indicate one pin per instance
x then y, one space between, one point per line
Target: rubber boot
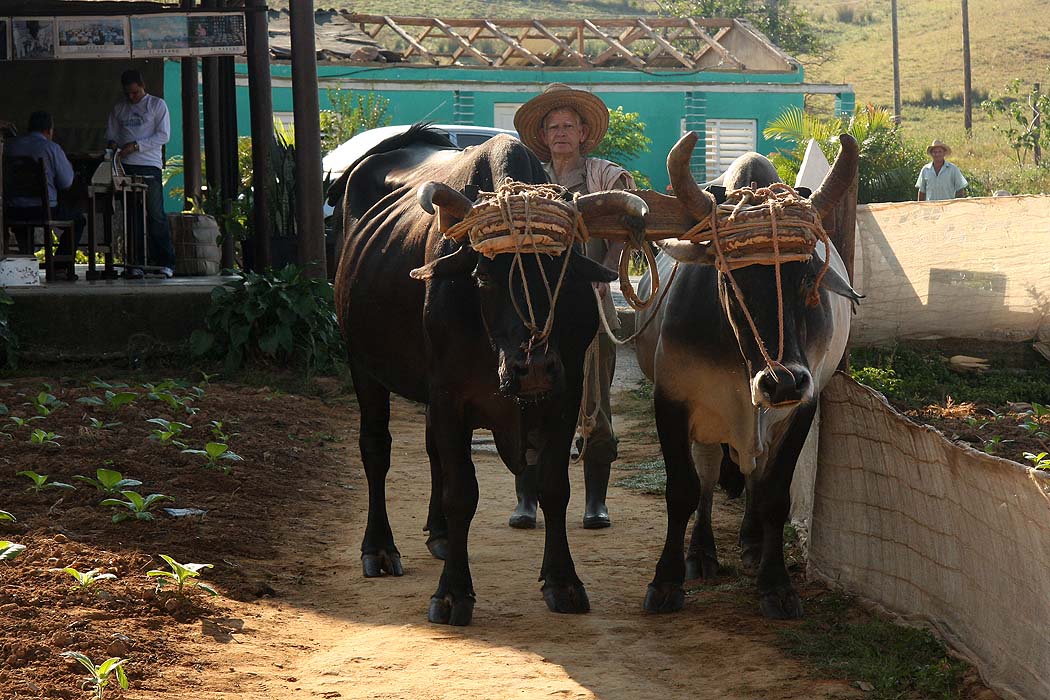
527 487
596 480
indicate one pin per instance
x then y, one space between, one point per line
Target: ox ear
804 192
586 270
837 284
457 264
687 252
718 191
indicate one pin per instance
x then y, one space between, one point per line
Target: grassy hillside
493 8
1008 40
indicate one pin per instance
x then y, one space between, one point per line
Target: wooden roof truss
639 42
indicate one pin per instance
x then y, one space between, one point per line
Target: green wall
662 99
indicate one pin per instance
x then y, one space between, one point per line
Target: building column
191 126
309 212
260 101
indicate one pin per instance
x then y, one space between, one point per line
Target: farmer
138 128
561 126
940 179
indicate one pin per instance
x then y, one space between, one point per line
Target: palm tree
888 166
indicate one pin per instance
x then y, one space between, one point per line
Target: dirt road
332 633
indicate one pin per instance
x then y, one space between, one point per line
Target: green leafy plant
887 166
137 506
8 341
992 444
43 481
279 317
108 481
45 403
1019 114
180 576
99 676
85 579
1039 461
17 422
167 431
7 517
44 437
351 114
624 141
216 453
786 23
10 550
102 425
111 400
218 431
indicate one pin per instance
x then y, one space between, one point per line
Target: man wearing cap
939 179
561 126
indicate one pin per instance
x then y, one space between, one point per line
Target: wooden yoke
667 218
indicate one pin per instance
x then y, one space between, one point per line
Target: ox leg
562 589
379 555
701 560
453 601
526 486
437 525
750 533
682 496
778 598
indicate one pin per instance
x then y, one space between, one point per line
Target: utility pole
896 65
967 100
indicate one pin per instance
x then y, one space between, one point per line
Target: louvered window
726 139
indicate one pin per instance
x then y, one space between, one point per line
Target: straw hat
937 143
529 119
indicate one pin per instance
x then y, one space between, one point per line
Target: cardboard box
19 271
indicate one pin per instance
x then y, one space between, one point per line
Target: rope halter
763 226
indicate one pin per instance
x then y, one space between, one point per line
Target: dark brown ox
433 321
713 386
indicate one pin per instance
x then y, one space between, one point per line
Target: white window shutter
727 139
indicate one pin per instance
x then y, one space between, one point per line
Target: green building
721 78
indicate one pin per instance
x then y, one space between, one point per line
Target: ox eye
483 279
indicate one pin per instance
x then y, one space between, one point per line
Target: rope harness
764 226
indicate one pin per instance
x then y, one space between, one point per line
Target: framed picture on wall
32 38
5 40
216 33
93 37
159 35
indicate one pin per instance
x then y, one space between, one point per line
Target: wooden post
967 100
309 211
260 100
191 125
210 101
231 172
896 65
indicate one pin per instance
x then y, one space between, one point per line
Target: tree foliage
624 141
888 165
351 114
788 26
1020 115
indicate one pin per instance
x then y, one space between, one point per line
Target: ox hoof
702 567
750 559
447 611
438 547
523 521
568 598
781 603
382 562
664 598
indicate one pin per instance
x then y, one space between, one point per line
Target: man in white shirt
138 128
939 179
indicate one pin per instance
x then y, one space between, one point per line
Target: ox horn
838 180
618 201
682 182
453 201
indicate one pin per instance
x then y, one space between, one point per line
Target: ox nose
536 377
783 386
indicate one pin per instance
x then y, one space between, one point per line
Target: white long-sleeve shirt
146 123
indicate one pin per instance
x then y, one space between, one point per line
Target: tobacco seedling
136 506
7 517
1035 429
1039 410
99 676
162 392
218 431
180 576
215 453
42 481
168 431
44 437
100 425
1039 461
992 444
110 400
108 481
10 550
85 579
46 403
17 422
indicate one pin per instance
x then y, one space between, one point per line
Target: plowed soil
295 618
